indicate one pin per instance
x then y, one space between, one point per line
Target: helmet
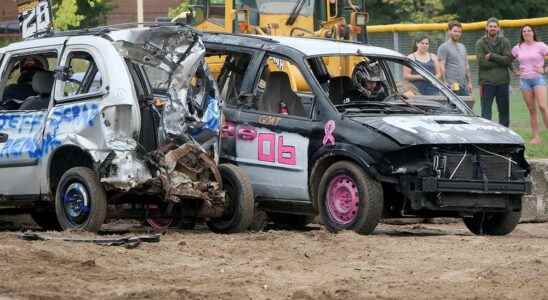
32 63
29 65
366 71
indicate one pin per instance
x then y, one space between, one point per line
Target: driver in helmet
367 78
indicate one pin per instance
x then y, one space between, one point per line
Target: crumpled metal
187 172
180 53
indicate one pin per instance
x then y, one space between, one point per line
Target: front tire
493 223
80 200
238 214
349 199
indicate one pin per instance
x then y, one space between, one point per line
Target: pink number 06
286 154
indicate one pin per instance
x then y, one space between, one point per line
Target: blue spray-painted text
26 129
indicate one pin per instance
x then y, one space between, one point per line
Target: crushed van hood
418 130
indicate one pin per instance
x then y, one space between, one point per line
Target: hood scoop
451 122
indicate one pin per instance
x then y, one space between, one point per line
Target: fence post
396 41
396 37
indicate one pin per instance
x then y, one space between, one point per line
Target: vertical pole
51 18
396 41
229 16
396 38
140 12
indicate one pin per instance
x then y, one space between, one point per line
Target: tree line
72 14
434 11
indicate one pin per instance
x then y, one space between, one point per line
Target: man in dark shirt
494 55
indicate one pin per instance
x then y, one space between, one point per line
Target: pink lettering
286 154
271 139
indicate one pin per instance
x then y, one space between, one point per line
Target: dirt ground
411 262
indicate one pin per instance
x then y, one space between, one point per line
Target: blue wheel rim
76 203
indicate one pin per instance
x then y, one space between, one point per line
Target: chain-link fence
402 41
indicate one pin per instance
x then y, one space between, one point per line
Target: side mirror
242 15
359 19
63 73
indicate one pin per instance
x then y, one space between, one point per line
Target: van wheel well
65 159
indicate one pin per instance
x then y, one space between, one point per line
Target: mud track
411 262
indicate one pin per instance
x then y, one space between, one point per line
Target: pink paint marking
271 139
329 128
286 154
343 199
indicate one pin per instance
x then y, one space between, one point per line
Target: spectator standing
494 59
530 54
428 60
453 57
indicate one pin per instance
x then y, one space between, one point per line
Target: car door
271 130
78 94
21 143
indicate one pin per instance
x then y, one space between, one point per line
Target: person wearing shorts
530 53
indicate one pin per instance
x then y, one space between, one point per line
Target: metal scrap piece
127 241
189 173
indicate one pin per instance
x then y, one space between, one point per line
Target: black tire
363 216
46 218
187 223
239 194
493 223
78 183
260 220
290 221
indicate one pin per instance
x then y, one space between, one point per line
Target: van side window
84 76
229 69
27 81
282 89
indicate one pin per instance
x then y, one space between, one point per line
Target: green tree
472 10
407 11
179 9
74 14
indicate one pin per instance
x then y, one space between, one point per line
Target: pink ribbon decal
329 128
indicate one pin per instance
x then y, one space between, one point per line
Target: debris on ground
129 242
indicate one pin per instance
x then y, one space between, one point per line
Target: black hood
421 130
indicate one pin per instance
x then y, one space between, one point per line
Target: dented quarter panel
417 130
117 81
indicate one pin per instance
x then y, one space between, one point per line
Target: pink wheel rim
158 223
343 199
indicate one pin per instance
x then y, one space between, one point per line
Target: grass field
519 122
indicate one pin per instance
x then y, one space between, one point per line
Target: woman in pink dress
530 53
